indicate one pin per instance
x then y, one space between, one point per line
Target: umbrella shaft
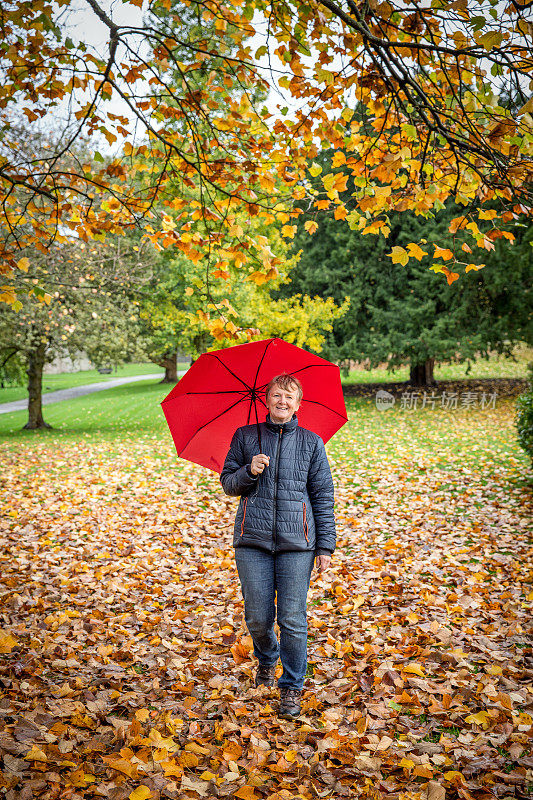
276 489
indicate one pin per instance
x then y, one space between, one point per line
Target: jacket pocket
306 530
243 514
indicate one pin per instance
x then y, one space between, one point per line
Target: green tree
90 310
181 310
407 315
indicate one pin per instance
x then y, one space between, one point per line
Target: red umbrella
226 388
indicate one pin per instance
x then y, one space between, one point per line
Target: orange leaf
246 792
442 252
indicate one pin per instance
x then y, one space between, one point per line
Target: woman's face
282 403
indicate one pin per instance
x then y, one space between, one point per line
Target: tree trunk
422 374
170 363
35 387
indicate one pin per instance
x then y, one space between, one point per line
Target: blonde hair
285 381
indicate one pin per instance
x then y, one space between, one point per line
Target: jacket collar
286 427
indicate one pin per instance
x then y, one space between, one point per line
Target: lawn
66 380
133 412
126 665
499 366
484 368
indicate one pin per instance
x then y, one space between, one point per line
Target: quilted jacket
290 505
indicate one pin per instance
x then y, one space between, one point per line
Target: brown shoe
265 676
290 705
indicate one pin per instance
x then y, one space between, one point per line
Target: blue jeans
262 575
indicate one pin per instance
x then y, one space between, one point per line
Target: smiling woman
285 519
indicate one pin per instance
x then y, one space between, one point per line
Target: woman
284 520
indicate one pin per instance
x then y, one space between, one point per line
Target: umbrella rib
301 369
253 397
230 370
259 365
225 391
205 424
318 403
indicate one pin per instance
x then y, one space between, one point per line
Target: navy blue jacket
290 505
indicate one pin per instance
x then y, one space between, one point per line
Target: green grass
132 409
418 437
66 380
495 366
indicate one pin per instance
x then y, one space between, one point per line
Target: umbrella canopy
226 389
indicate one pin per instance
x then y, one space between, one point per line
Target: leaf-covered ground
126 670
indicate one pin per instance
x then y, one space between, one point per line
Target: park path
79 391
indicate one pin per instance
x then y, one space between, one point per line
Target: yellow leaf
140 793
412 617
470 267
347 114
81 779
338 159
414 669
315 169
189 290
454 776
406 763
194 747
288 231
310 226
399 256
189 759
142 714
7 642
171 769
121 765
257 277
481 718
155 739
416 251
35 755
359 600
23 264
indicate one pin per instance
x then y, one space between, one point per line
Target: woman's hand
322 563
258 464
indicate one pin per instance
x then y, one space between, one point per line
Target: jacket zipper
243 515
305 524
276 491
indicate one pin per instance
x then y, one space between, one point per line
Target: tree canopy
409 317
421 103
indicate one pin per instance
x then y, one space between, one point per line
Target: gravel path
79 391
